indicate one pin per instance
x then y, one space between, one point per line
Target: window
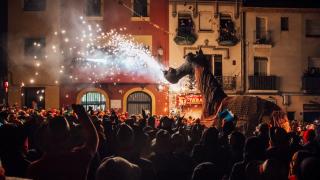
311 112
34 47
185 25
34 5
205 21
138 101
140 8
284 24
95 100
218 65
34 97
227 31
260 66
185 31
312 28
94 8
314 62
291 115
261 28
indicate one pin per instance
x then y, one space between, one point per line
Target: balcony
228 82
263 84
262 39
311 84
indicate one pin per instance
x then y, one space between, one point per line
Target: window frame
266 27
185 15
140 102
141 18
100 104
34 10
257 72
98 18
306 28
284 23
42 51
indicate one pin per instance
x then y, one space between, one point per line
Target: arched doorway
137 101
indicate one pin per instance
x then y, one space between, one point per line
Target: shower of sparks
99 56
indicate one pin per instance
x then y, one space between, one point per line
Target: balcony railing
262 37
263 83
311 84
227 82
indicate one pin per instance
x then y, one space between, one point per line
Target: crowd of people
92 145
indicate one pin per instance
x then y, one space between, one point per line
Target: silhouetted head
205 171
310 169
161 143
253 149
296 161
279 137
125 137
58 132
187 68
210 137
118 168
237 140
273 169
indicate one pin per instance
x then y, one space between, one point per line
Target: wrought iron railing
263 83
227 82
262 37
311 84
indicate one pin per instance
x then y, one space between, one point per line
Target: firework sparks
102 56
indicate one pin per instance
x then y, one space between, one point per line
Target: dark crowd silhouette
94 145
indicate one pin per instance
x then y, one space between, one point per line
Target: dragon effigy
247 111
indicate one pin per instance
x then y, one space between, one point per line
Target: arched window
137 101
94 99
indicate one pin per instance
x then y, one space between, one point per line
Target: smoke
100 56
81 50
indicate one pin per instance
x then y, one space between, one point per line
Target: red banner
190 99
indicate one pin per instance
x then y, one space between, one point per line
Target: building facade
32 37
140 19
255 48
281 56
215 27
31 25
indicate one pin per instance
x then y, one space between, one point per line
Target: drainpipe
243 53
236 10
195 9
174 9
216 13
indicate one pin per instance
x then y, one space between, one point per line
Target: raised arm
90 131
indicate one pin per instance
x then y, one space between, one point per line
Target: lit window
34 5
139 101
95 100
